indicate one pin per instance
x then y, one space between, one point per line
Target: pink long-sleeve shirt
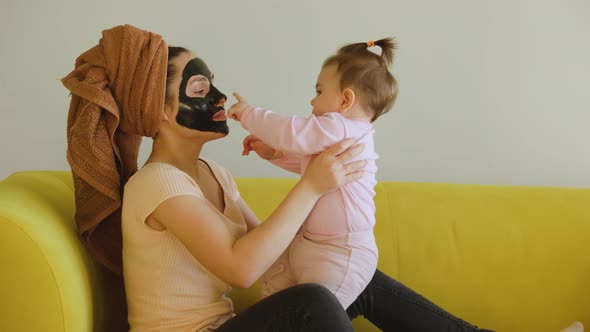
350 208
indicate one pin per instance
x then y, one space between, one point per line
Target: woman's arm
202 228
204 232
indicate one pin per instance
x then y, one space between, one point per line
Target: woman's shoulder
224 176
157 176
157 170
213 164
217 168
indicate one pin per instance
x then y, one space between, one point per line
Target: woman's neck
183 155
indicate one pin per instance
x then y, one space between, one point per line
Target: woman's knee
313 289
314 293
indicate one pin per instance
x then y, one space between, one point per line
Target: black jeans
391 306
306 307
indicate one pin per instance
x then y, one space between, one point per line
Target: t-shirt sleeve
160 183
226 179
232 186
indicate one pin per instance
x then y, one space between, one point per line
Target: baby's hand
253 143
236 110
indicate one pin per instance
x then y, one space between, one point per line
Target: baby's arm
289 162
292 134
285 161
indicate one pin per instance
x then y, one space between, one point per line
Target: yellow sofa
501 257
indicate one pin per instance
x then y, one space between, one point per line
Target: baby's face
328 95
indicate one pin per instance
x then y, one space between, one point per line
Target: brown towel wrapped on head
118 89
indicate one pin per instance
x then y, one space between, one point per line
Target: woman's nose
220 102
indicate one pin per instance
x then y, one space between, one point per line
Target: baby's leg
344 269
277 277
361 268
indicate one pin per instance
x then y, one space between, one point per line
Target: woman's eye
199 92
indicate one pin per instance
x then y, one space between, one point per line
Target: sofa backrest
506 258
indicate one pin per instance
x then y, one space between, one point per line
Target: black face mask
197 112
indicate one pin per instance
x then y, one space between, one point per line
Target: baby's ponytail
387 45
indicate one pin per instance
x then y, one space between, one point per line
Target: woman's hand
332 168
236 110
253 143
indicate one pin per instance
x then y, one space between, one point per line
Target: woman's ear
167 112
348 98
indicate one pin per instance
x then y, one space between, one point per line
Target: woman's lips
219 116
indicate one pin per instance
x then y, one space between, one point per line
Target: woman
184 223
187 234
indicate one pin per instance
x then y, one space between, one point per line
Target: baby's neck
357 113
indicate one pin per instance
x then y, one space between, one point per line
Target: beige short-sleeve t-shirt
167 288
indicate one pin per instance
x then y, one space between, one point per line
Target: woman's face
200 105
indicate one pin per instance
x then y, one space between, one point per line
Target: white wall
493 92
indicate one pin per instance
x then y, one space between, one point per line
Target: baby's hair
367 73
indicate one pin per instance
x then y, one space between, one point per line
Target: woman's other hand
332 168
